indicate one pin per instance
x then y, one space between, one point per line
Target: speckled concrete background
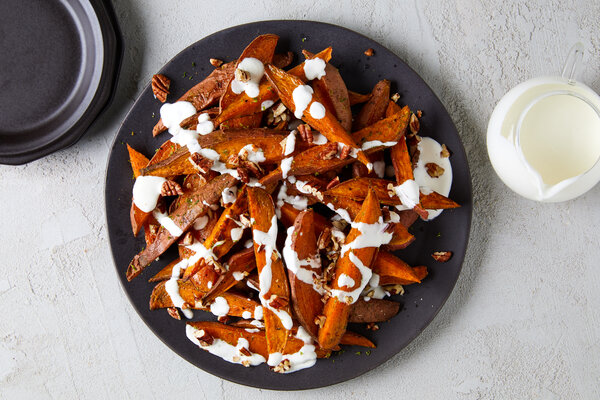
523 321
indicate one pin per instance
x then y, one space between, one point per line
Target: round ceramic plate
60 62
450 231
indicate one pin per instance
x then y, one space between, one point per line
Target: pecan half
160 87
324 240
170 188
244 176
244 351
434 170
306 133
441 256
345 152
333 183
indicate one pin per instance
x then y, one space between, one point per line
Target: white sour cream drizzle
167 223
318 138
314 68
225 350
219 307
205 125
306 357
345 281
317 110
365 276
430 151
229 195
378 292
266 105
172 288
252 154
290 146
265 278
408 193
302 96
172 114
146 191
294 264
247 315
298 202
256 70
201 222
376 143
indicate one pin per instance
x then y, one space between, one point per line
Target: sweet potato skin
374 109
374 310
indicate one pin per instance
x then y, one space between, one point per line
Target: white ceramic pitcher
543 137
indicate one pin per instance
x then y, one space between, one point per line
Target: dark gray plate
58 70
450 231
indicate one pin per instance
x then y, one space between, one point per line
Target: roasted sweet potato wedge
237 303
358 188
244 105
239 266
391 269
333 88
383 133
262 48
355 339
137 160
257 341
165 273
351 265
329 126
374 109
303 263
206 93
184 216
358 98
274 289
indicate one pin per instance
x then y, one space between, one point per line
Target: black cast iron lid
59 62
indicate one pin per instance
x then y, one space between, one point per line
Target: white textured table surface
523 321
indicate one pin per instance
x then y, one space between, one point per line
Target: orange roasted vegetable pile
285 194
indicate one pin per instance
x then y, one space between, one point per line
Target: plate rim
469 216
112 56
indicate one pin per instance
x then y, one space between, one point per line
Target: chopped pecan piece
160 87
414 124
324 240
345 152
244 176
170 188
283 366
174 313
441 256
434 170
277 302
369 52
200 163
215 62
223 319
204 338
445 153
395 97
241 75
244 351
188 239
328 151
233 161
372 326
320 321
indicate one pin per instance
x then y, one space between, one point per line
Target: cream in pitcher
544 136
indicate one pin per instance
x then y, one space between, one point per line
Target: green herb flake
439 234
193 63
303 39
357 353
368 352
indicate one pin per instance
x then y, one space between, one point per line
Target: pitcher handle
573 62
